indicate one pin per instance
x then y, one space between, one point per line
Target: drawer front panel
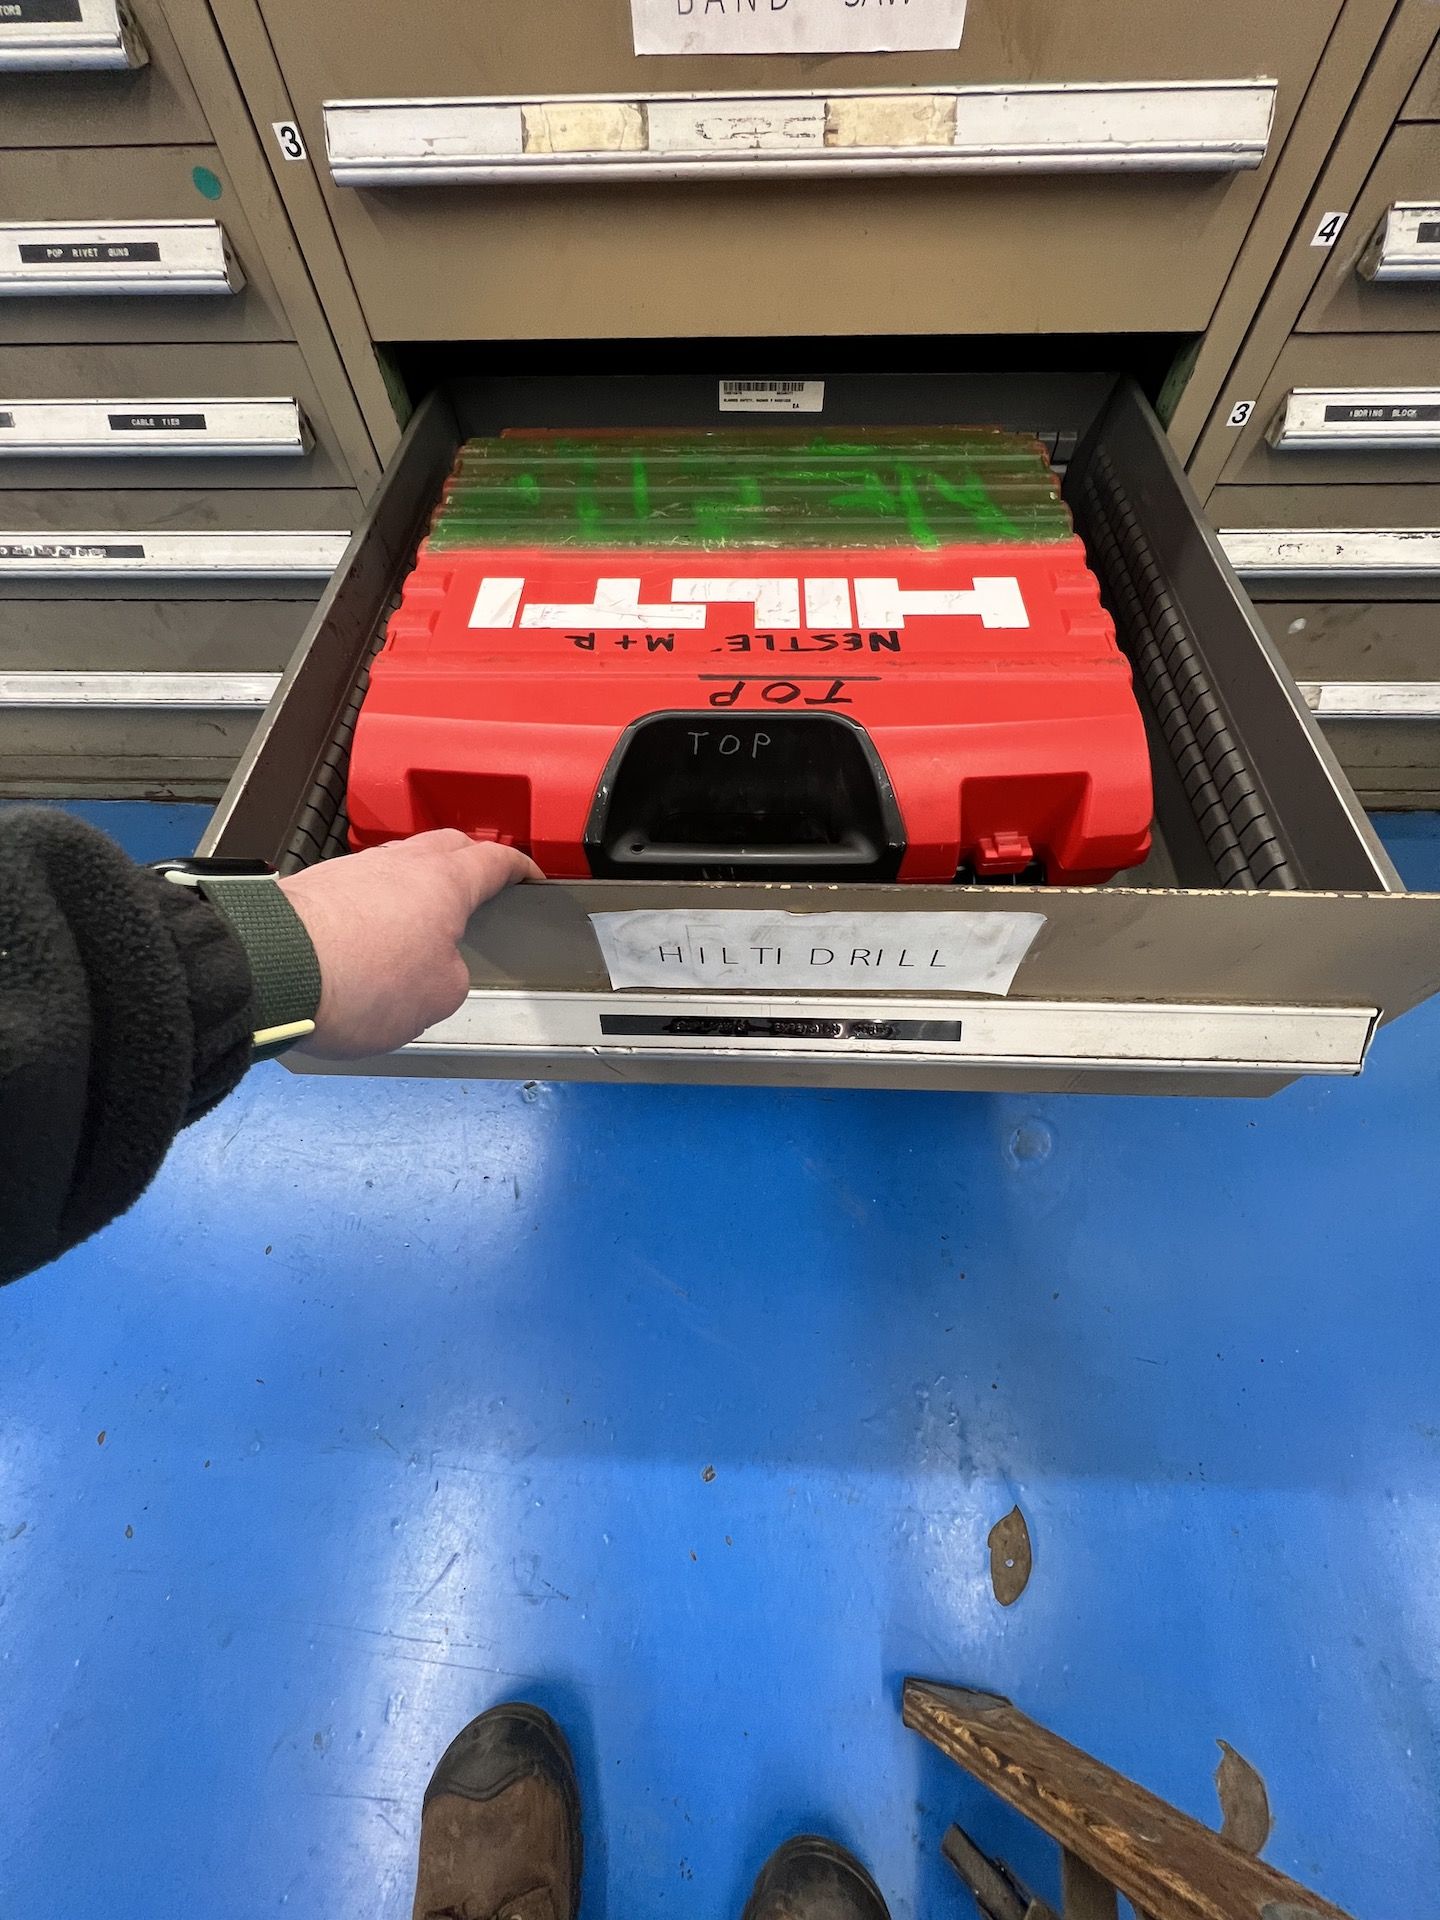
141 752
108 76
1371 671
100 694
1383 275
97 635
115 433
1010 249
98 189
1345 640
1349 409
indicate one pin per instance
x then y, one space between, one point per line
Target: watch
287 974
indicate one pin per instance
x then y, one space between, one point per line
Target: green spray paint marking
759 490
640 488
975 498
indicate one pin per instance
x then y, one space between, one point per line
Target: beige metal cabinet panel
1061 252
1372 674
1344 300
781 259
91 633
1386 505
1424 100
197 510
119 753
1357 639
146 105
1391 770
1353 365
133 375
148 743
1354 544
102 184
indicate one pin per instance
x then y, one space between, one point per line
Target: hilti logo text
993 599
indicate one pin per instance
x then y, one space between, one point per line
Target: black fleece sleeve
125 1012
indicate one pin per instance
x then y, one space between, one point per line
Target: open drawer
1266 936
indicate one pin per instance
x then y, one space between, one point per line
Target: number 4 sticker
1328 231
288 134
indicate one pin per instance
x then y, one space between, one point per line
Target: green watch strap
287 973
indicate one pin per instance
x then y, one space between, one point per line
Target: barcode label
772 396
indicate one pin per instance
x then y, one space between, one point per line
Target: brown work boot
813 1879
500 1831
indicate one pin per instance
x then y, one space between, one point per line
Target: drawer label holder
147 427
1204 126
68 36
1319 419
836 952
172 258
1405 246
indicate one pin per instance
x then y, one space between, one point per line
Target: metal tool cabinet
1265 938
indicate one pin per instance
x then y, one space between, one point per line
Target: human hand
386 926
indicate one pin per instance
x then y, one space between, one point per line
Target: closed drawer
126 409
1347 408
1383 275
1353 544
1371 675
99 695
141 544
1168 982
145 748
602 249
96 190
93 73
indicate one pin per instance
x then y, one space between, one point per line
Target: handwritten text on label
836 952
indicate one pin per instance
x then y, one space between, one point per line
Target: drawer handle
80 258
1367 419
119 555
1213 126
1333 553
100 37
155 429
1372 699
1185 1037
1406 244
250 691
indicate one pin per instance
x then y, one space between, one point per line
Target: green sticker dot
207 183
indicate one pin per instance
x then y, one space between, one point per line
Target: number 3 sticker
1240 413
288 134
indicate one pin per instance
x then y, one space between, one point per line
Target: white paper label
796 26
839 952
772 396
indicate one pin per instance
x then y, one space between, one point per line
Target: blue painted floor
686 1414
